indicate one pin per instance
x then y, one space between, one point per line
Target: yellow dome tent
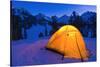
69 42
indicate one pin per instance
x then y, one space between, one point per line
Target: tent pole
63 53
79 49
64 47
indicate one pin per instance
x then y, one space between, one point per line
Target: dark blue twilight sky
51 9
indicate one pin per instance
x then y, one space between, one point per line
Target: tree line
21 20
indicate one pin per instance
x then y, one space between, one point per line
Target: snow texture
28 52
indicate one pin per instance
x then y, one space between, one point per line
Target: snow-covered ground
28 52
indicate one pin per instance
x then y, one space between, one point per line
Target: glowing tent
69 42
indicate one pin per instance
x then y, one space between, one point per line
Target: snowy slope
34 53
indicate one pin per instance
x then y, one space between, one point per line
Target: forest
24 25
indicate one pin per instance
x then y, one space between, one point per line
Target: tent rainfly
69 42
